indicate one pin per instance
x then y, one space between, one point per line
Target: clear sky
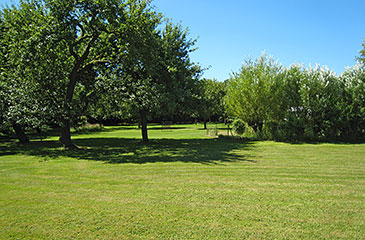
306 32
325 32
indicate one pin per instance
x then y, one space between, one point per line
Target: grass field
181 185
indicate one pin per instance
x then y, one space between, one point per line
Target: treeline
298 103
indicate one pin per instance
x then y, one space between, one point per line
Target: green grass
182 185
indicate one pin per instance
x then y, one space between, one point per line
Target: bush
238 126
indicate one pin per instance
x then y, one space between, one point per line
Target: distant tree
320 92
157 74
252 93
291 114
211 100
106 102
352 102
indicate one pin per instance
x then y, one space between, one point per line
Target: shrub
238 126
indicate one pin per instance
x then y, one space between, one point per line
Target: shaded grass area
123 150
182 185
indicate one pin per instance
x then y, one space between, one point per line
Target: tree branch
94 62
71 48
86 52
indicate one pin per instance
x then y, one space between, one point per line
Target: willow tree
253 94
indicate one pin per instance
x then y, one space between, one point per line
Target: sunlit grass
181 185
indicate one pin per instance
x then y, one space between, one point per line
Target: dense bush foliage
238 127
298 103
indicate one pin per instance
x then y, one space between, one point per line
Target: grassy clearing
182 185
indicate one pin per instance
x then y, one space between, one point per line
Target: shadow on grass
166 128
123 150
324 141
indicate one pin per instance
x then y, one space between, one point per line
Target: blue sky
308 32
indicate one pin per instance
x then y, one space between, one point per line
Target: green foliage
210 100
361 58
30 74
157 76
238 127
298 103
352 102
253 93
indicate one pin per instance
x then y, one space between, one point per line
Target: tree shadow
166 128
123 150
324 141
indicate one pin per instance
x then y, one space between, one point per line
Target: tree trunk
143 115
65 138
257 127
205 124
20 134
260 127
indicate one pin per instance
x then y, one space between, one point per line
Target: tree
352 102
291 112
253 93
92 32
210 100
24 60
61 51
157 73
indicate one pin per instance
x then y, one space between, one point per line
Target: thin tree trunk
20 134
260 127
205 124
143 115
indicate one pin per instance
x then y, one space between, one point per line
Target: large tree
92 32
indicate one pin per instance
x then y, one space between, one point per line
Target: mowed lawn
181 185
